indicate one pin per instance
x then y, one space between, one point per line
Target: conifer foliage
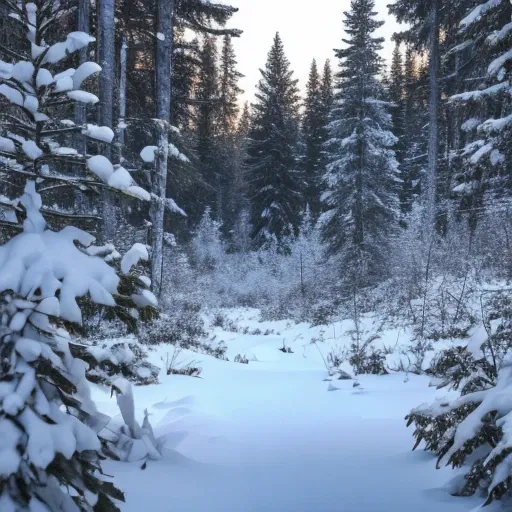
486 110
362 173
314 130
275 181
49 449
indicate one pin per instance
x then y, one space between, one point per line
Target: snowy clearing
269 436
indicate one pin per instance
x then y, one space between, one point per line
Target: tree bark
80 108
122 94
433 141
106 57
163 108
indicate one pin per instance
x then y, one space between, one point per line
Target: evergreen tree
414 137
230 162
244 122
207 122
51 454
314 132
229 89
327 90
483 106
362 173
239 222
275 182
396 96
424 18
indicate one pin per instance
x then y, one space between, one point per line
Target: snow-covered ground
270 436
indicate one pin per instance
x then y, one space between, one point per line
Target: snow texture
148 153
83 97
103 133
132 257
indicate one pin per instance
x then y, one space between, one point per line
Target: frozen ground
269 436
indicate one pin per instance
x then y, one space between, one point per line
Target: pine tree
229 89
228 143
275 184
207 121
362 173
327 89
471 431
238 223
425 19
484 107
414 137
314 133
396 96
51 456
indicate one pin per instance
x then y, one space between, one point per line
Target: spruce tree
484 107
314 133
207 121
275 182
424 18
327 90
362 173
396 96
229 160
229 88
239 227
50 453
414 136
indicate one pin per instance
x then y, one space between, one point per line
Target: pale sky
309 29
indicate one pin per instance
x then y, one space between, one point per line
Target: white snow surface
133 256
103 133
148 153
83 97
275 436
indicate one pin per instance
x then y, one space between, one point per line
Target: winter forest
297 300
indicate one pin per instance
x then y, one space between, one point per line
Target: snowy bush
472 431
282 284
184 327
364 358
110 358
176 366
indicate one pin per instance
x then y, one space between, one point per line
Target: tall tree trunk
433 141
163 109
122 95
80 108
106 57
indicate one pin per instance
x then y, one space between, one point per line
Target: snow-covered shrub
207 245
176 366
472 431
282 284
239 358
364 358
109 358
184 327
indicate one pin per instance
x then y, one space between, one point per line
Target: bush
108 359
241 359
474 430
173 366
366 359
184 326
